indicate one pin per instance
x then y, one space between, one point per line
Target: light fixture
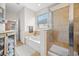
18 3
38 4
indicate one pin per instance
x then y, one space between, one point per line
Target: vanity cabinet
33 41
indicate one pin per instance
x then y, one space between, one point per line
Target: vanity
33 40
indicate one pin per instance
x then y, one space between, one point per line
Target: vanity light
39 5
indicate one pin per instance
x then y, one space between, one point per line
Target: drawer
34 45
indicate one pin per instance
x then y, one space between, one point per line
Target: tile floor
25 50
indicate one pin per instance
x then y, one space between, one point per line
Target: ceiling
37 6
15 7
12 7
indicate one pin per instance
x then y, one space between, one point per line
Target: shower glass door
58 40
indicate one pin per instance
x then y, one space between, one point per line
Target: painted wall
22 24
12 16
2 26
29 19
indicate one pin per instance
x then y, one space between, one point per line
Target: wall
29 19
2 5
2 26
22 24
13 16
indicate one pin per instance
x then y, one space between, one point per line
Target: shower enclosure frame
70 26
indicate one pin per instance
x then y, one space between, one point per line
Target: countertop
34 34
9 31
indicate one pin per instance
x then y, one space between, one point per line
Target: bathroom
41 29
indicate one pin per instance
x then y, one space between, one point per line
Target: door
59 44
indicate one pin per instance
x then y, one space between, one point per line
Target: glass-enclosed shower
63 37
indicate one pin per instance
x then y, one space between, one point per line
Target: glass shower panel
58 40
